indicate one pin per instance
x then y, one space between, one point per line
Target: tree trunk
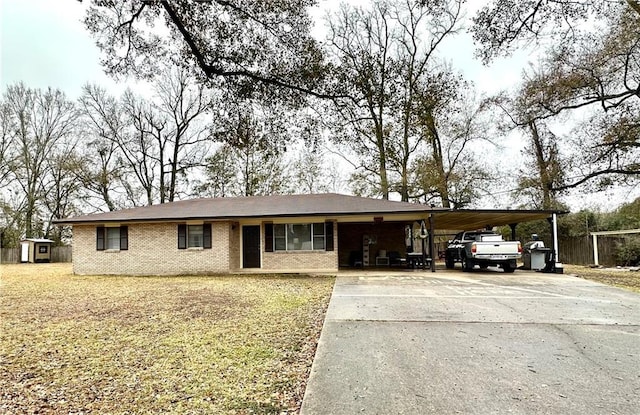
542 163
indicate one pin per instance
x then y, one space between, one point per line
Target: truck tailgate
496 248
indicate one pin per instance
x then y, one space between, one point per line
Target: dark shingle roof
329 204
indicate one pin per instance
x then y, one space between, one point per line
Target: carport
486 219
374 238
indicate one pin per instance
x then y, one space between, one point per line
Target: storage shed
35 250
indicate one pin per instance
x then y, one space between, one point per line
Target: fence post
595 249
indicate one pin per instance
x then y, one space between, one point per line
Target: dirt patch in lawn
232 344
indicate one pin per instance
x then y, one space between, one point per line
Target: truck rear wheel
449 262
508 268
467 264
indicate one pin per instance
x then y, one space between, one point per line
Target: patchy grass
611 276
229 344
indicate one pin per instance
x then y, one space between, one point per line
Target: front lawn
228 344
622 278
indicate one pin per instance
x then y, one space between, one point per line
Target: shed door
24 253
251 246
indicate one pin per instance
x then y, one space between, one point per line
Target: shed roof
327 205
37 240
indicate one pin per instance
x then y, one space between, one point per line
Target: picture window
299 237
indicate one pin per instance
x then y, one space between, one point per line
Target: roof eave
85 220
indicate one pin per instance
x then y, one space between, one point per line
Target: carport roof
329 205
463 219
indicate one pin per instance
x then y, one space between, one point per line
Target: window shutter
328 236
124 238
268 237
100 238
182 236
206 236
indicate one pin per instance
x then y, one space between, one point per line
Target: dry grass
611 276
233 344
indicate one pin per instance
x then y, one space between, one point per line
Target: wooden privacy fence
58 254
579 250
61 254
10 255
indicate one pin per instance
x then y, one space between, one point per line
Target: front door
251 246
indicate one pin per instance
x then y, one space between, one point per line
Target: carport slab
459 344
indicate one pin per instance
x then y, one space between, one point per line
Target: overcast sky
43 43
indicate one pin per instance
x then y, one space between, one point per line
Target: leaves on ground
222 344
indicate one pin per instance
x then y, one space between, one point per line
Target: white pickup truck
484 249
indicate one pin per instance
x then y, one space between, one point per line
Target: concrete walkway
476 343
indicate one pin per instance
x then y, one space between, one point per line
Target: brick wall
234 246
153 250
302 260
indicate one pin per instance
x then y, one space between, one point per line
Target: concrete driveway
476 343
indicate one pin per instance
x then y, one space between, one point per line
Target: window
43 249
299 237
280 237
318 236
112 238
194 236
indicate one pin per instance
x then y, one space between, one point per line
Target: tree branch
210 70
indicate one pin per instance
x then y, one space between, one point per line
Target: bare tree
101 170
312 172
544 170
143 147
181 132
451 120
6 141
39 122
220 174
61 189
382 56
254 137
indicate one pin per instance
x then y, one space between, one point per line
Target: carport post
432 245
513 230
555 236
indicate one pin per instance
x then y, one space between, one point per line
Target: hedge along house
288 233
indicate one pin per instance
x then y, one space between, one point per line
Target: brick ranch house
288 233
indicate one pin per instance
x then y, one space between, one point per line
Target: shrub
628 252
